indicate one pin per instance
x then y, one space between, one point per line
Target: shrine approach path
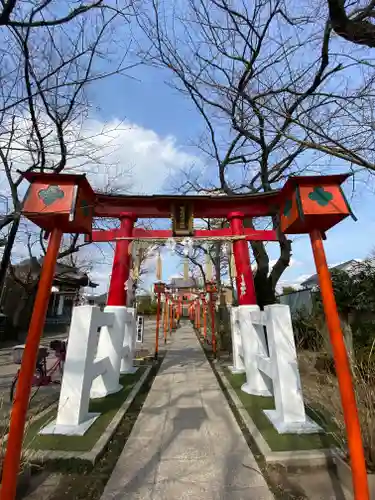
186 443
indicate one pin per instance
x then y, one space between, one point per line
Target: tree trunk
5 261
361 32
264 290
265 280
217 259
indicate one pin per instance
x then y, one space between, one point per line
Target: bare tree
44 13
355 26
214 251
272 87
46 68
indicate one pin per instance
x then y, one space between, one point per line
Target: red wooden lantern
211 287
64 201
313 202
159 287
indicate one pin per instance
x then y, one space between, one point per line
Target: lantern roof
303 180
48 177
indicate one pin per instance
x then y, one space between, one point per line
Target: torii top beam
203 206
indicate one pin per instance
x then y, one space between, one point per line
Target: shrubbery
147 309
355 297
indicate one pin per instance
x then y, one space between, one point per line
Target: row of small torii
172 312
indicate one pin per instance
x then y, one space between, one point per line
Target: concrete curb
98 449
300 458
344 474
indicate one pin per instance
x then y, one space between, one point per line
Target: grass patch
82 481
255 405
107 407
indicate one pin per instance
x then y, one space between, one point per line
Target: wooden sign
182 219
211 287
140 329
159 287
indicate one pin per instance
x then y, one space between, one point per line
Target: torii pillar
121 263
244 332
244 279
119 339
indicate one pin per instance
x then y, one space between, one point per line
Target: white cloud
134 158
292 263
299 279
121 156
174 276
272 262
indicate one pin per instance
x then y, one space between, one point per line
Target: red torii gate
235 209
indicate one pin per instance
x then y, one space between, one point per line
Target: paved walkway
186 443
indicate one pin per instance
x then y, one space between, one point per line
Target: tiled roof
181 283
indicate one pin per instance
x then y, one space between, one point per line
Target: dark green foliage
306 331
355 291
355 298
147 308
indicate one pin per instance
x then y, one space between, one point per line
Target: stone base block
246 387
70 430
236 371
129 371
99 394
306 427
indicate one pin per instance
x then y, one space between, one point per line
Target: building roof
63 272
303 180
344 266
97 299
182 283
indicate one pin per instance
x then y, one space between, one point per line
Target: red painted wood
244 279
203 206
121 264
115 234
316 180
21 402
343 370
71 212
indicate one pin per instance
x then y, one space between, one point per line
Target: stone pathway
186 443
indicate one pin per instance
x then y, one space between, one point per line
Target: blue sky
148 103
153 129
150 134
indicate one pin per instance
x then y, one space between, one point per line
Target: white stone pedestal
237 353
110 345
80 369
130 336
274 368
253 344
289 415
70 430
306 426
